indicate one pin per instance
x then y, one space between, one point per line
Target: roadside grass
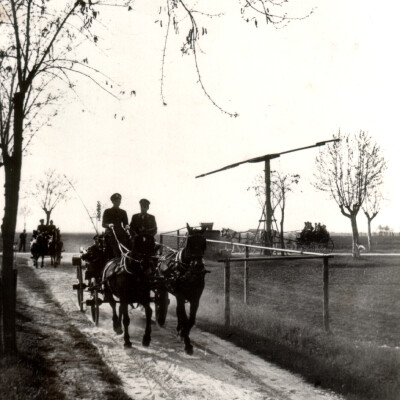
283 321
27 375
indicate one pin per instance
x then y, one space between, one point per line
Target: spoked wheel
161 302
79 290
94 301
80 286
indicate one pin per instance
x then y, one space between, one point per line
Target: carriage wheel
94 305
79 290
161 302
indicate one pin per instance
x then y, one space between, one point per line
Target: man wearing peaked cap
115 219
143 222
42 228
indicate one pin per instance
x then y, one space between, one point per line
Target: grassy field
380 244
282 321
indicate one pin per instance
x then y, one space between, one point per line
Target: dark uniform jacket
115 216
42 228
143 223
51 229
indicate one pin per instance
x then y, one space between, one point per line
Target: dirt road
217 370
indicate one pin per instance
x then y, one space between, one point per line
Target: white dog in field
361 248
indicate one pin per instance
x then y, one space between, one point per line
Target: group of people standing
115 222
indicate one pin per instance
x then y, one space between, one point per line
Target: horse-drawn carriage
314 238
47 244
143 275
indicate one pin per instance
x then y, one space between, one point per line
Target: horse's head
194 249
228 233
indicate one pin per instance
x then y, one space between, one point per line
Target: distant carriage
44 245
314 238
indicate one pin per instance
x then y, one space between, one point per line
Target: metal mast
267 161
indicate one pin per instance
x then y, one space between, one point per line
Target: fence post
326 294
227 287
246 278
177 239
161 242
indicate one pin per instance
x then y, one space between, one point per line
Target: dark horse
184 274
39 248
129 279
55 248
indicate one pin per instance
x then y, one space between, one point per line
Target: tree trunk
369 235
356 239
281 233
12 170
48 213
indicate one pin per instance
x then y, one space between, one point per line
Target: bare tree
43 46
50 191
281 185
348 170
371 208
187 16
39 60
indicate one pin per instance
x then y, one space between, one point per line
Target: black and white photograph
200 200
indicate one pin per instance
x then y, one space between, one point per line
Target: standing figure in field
115 220
22 241
143 223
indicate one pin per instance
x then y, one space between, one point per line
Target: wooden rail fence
296 255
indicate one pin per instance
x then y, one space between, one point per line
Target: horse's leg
180 314
42 264
194 306
123 310
108 297
147 333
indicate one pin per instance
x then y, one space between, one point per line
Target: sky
292 87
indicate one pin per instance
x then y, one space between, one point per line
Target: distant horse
247 237
184 274
129 279
55 248
39 248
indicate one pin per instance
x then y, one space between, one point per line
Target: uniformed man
95 257
143 222
116 219
51 228
42 228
